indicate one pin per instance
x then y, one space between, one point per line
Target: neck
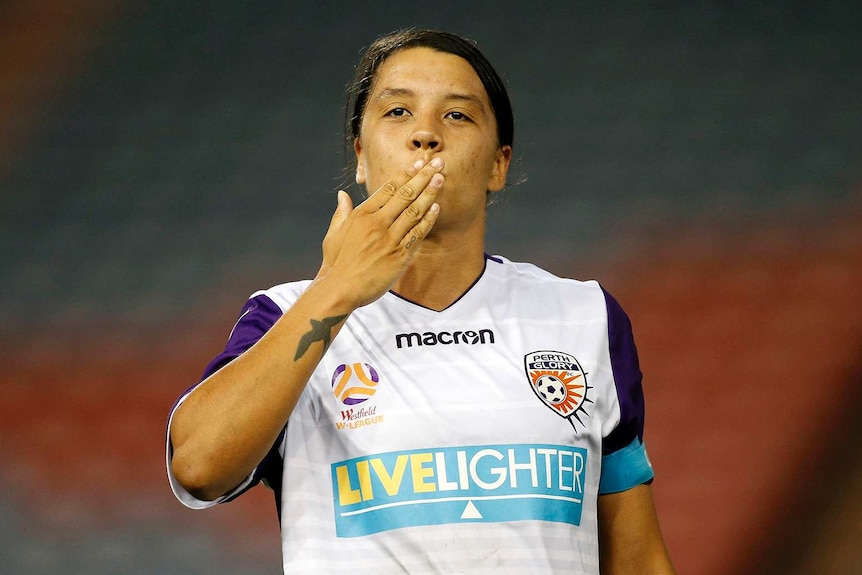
439 275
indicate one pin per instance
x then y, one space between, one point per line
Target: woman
420 407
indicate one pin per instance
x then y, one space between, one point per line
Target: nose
426 139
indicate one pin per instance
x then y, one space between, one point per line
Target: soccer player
420 406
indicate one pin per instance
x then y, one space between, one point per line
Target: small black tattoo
320 331
410 242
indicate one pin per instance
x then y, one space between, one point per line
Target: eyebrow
406 92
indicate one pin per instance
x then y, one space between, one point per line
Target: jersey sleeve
625 463
258 315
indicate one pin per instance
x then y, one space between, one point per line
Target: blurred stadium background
159 161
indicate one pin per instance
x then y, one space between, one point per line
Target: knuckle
390 188
413 212
376 226
407 191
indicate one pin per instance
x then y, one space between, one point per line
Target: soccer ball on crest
551 388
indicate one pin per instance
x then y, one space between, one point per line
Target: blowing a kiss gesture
368 247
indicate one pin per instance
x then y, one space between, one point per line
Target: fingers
395 195
418 208
421 229
404 208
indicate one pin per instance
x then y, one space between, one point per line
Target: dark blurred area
160 161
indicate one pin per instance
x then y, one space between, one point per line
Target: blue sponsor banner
482 483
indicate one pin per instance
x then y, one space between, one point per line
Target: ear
500 169
360 165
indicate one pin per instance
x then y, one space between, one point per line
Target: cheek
480 166
379 168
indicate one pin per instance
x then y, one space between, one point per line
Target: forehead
427 71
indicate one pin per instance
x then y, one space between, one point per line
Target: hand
368 248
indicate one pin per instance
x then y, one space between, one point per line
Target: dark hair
382 48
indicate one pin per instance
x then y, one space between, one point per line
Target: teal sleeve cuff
625 468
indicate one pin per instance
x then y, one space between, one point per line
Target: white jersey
472 439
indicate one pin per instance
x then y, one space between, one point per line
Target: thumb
342 210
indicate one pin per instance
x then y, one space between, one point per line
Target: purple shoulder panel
627 378
258 315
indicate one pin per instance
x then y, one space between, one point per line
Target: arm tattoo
320 331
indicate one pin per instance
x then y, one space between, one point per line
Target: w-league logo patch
561 383
353 384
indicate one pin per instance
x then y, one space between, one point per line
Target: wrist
331 293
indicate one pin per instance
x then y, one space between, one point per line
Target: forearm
631 542
229 422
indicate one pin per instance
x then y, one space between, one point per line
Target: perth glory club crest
559 381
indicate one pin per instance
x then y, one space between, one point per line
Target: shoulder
525 278
525 272
261 310
259 313
282 295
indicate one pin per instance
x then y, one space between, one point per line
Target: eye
397 113
457 116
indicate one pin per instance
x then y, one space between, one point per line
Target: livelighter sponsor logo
471 483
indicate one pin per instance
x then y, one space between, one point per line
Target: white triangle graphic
470 512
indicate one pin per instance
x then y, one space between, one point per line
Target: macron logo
469 337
